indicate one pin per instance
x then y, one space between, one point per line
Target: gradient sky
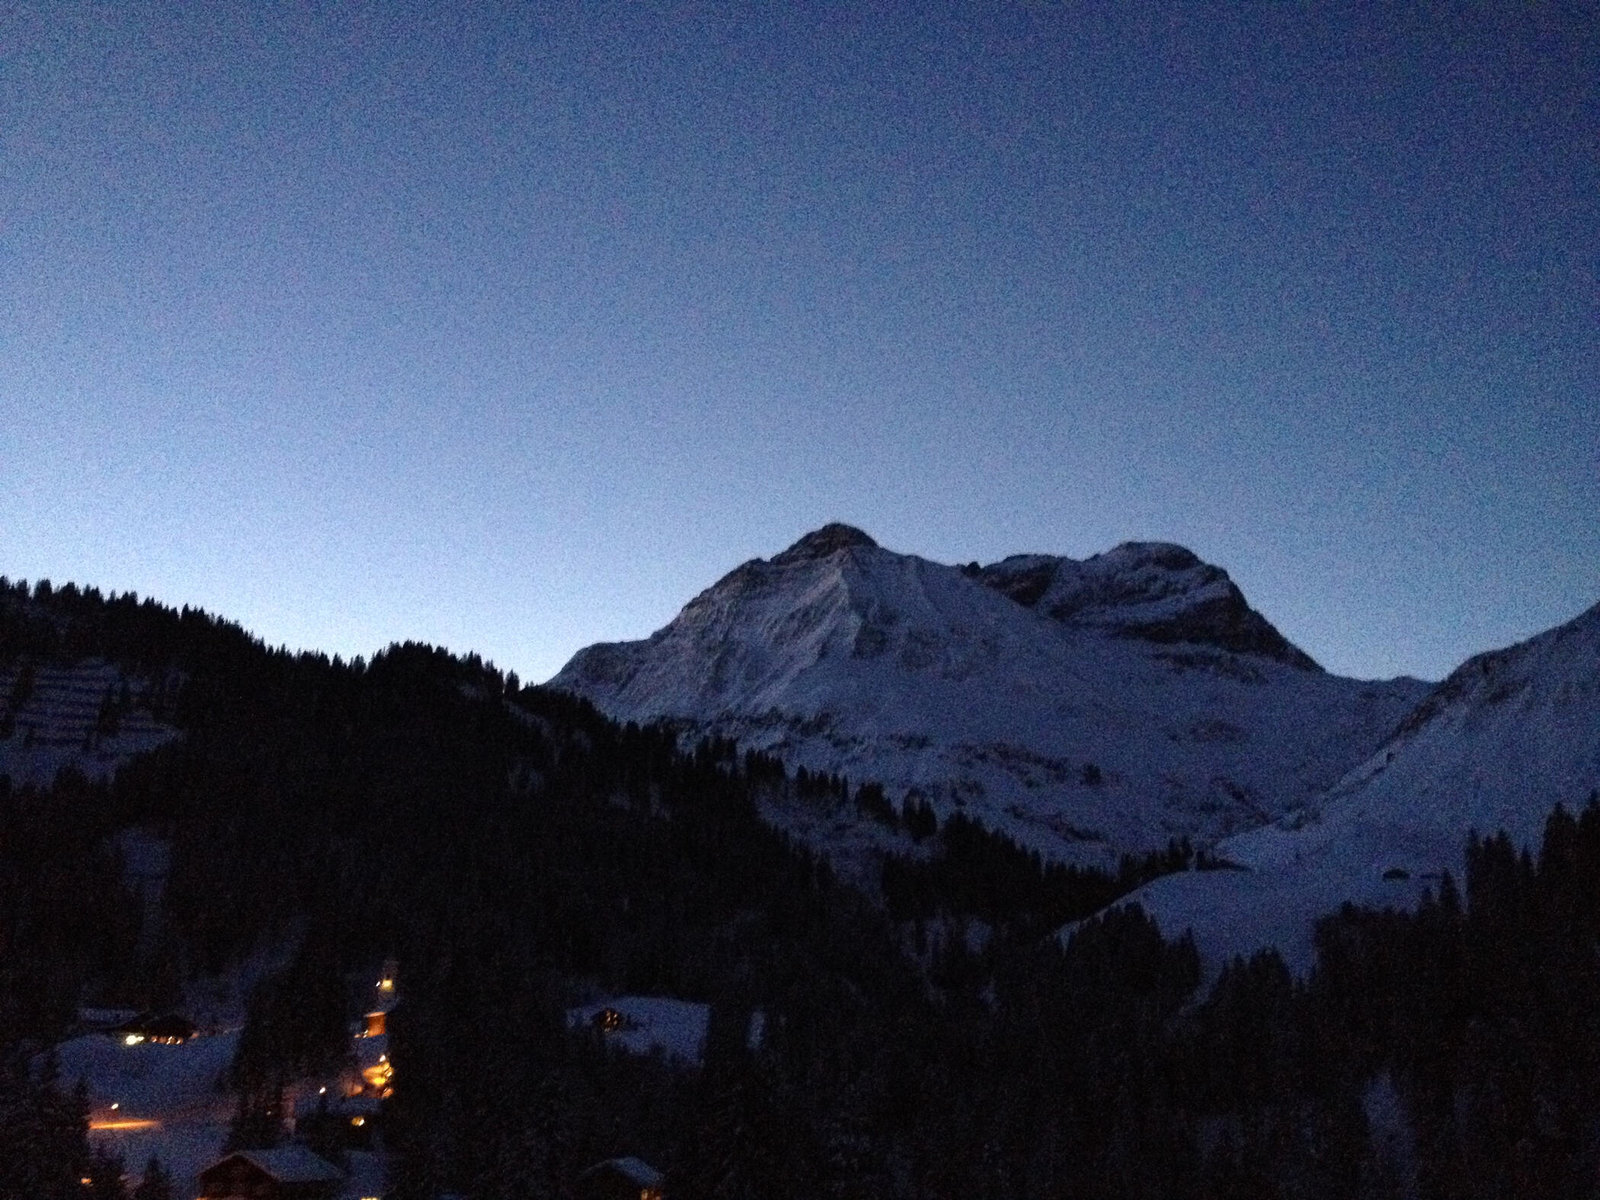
512 328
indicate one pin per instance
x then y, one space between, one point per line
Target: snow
845 657
174 1088
54 727
990 690
675 1028
170 1100
1136 583
1508 736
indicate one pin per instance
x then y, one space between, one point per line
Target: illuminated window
358 1122
610 1020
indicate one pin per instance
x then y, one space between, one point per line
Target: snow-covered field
168 1100
651 1024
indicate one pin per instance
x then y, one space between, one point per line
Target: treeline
980 872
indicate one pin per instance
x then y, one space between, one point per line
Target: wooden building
287 1173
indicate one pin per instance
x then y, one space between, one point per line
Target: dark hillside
510 848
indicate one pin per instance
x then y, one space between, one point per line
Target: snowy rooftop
289 1164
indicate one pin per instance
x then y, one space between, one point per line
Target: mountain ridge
847 657
1495 747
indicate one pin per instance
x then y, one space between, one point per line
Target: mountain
1509 735
1149 590
1085 708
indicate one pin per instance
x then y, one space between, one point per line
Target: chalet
610 1020
287 1173
372 1060
168 1030
620 1179
675 1029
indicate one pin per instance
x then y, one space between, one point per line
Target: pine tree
156 1184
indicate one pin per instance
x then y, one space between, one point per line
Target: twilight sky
512 328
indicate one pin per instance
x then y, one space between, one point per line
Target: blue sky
513 327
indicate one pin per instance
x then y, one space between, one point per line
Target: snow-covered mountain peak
1156 591
820 543
1103 710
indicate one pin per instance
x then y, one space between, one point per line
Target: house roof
636 1169
286 1164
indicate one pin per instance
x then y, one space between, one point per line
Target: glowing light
358 1121
386 985
133 1039
116 1105
86 1181
124 1125
321 1091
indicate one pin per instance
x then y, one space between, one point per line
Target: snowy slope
1151 590
1496 746
53 720
1086 708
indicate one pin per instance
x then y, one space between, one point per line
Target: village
154 1084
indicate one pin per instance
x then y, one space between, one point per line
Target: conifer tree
156 1183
